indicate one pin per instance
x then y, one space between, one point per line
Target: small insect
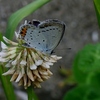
42 35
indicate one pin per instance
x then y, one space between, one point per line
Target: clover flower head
27 66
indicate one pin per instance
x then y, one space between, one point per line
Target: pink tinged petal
33 67
19 77
38 62
9 41
3 46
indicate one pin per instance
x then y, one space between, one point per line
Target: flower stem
31 94
7 86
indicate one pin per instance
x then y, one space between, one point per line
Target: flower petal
15 75
23 62
3 54
45 65
55 57
16 34
14 62
3 46
19 77
9 41
33 67
8 64
9 72
4 59
36 73
39 62
30 75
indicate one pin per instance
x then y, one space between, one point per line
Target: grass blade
22 13
97 9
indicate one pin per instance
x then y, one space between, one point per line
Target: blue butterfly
42 35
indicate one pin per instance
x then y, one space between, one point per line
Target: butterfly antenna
64 49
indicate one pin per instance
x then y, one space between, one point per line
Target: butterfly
43 36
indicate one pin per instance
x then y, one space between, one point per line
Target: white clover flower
26 65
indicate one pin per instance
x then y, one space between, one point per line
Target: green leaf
95 80
87 63
83 92
78 93
97 9
79 75
92 94
89 58
22 13
7 86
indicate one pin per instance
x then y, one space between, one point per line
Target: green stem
31 94
7 86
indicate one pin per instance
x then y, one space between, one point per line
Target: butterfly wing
53 31
44 36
